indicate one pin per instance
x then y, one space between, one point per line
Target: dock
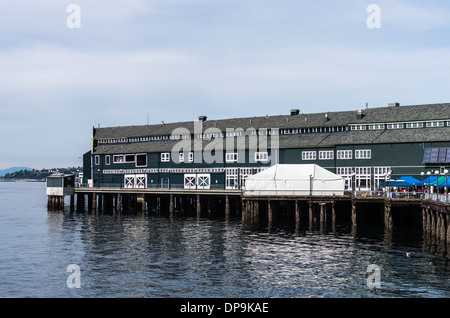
431 216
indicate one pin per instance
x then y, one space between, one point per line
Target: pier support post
297 212
448 229
424 220
310 212
94 203
438 224
323 211
171 205
354 218
244 211
227 207
199 207
432 223
119 203
388 223
80 202
72 202
333 214
270 213
442 228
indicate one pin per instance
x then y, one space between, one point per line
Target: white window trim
181 157
414 125
363 154
146 159
107 160
394 126
165 156
261 156
326 155
376 127
97 160
190 157
434 124
344 154
231 157
309 155
118 159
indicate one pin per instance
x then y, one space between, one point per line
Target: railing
176 186
437 197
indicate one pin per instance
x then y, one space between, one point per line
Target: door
203 181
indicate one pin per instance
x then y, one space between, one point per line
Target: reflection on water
156 256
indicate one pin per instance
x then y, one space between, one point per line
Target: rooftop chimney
393 104
295 112
202 118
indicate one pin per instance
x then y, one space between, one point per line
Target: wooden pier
432 217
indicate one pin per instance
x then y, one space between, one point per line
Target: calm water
153 256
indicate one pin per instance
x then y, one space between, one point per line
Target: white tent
286 179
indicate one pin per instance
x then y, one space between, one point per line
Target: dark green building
363 145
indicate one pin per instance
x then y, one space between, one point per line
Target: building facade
362 146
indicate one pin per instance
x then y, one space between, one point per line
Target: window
344 154
435 124
97 160
414 125
363 154
231 178
231 157
141 160
358 127
130 158
376 127
309 155
326 155
165 156
118 159
261 156
395 126
107 160
181 157
190 157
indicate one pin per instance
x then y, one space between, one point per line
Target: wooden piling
297 212
270 213
199 207
171 205
227 207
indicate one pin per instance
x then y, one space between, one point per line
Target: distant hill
12 170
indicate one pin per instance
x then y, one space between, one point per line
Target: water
154 256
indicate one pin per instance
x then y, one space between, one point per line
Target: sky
64 71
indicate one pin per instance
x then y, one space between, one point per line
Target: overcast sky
173 60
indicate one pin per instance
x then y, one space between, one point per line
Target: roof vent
326 118
202 118
295 112
393 104
360 114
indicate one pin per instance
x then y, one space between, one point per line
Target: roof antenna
148 118
367 105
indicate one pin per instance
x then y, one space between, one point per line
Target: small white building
296 180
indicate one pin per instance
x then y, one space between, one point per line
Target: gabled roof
330 119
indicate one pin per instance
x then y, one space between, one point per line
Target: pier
430 216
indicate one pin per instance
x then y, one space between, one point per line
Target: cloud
177 59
